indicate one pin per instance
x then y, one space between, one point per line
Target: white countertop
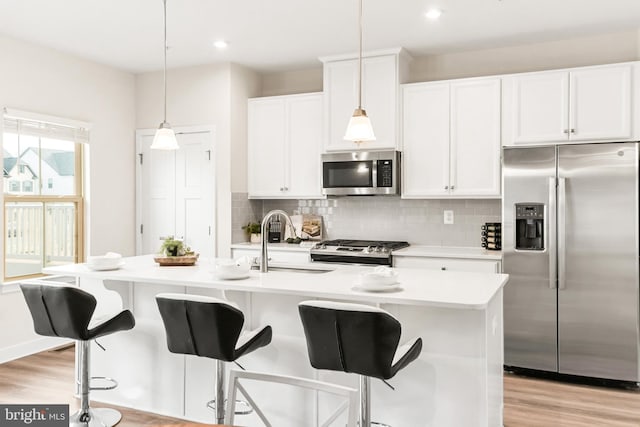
419 287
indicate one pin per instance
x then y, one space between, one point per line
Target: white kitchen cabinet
451 139
581 104
381 74
448 264
284 145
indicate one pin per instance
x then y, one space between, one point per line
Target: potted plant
173 247
253 231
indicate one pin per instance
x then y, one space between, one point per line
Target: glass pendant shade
165 138
359 128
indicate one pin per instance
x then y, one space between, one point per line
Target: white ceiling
274 35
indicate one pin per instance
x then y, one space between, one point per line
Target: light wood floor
48 377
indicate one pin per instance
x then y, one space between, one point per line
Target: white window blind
25 123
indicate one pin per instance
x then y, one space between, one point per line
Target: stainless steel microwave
361 173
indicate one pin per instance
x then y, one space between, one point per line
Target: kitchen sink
295 270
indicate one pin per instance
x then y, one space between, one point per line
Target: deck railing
37 234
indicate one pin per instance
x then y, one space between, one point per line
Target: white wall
600 49
202 95
45 81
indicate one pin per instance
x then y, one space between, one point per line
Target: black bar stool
356 338
67 311
209 327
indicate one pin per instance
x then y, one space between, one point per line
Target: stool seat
67 311
209 327
62 310
194 326
356 338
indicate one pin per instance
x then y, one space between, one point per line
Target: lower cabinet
449 264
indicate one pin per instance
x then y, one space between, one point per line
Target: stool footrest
212 405
113 383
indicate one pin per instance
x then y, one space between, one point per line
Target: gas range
374 252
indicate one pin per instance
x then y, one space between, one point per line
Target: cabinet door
266 139
475 138
600 103
379 99
540 108
341 89
426 140
304 145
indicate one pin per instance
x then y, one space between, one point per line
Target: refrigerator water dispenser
530 226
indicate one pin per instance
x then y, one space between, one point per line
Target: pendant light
359 128
165 138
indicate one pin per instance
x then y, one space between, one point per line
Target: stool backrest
350 337
203 326
58 310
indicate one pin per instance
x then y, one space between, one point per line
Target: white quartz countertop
448 252
418 287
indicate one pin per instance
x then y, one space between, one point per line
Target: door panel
426 140
540 107
598 300
530 325
600 103
194 192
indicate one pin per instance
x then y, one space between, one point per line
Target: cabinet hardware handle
453 187
572 131
443 268
566 131
286 188
281 188
446 187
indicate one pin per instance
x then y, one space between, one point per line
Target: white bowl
377 280
230 267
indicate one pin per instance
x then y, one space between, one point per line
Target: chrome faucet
264 257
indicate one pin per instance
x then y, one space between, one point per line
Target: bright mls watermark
34 415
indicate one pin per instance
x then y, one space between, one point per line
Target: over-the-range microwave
361 173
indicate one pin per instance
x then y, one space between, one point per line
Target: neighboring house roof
8 164
63 162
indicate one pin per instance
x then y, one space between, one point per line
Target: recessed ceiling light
220 44
433 14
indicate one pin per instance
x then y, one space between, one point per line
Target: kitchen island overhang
456 381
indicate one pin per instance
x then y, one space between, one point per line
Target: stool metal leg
220 371
86 416
365 404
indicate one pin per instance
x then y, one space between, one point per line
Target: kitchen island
457 381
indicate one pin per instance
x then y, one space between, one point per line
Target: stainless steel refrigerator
570 245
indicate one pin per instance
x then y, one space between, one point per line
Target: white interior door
175 191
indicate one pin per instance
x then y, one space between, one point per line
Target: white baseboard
31 347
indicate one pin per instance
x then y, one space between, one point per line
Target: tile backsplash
381 218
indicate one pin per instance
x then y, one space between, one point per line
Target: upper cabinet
284 146
582 104
451 139
382 72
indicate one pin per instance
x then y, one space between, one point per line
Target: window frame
78 200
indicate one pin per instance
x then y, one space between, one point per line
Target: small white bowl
376 280
229 268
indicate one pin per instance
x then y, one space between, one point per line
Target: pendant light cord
165 60
360 60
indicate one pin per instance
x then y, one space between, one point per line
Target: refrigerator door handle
552 233
562 204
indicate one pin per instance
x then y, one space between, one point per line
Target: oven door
348 177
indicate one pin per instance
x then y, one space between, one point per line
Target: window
43 224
